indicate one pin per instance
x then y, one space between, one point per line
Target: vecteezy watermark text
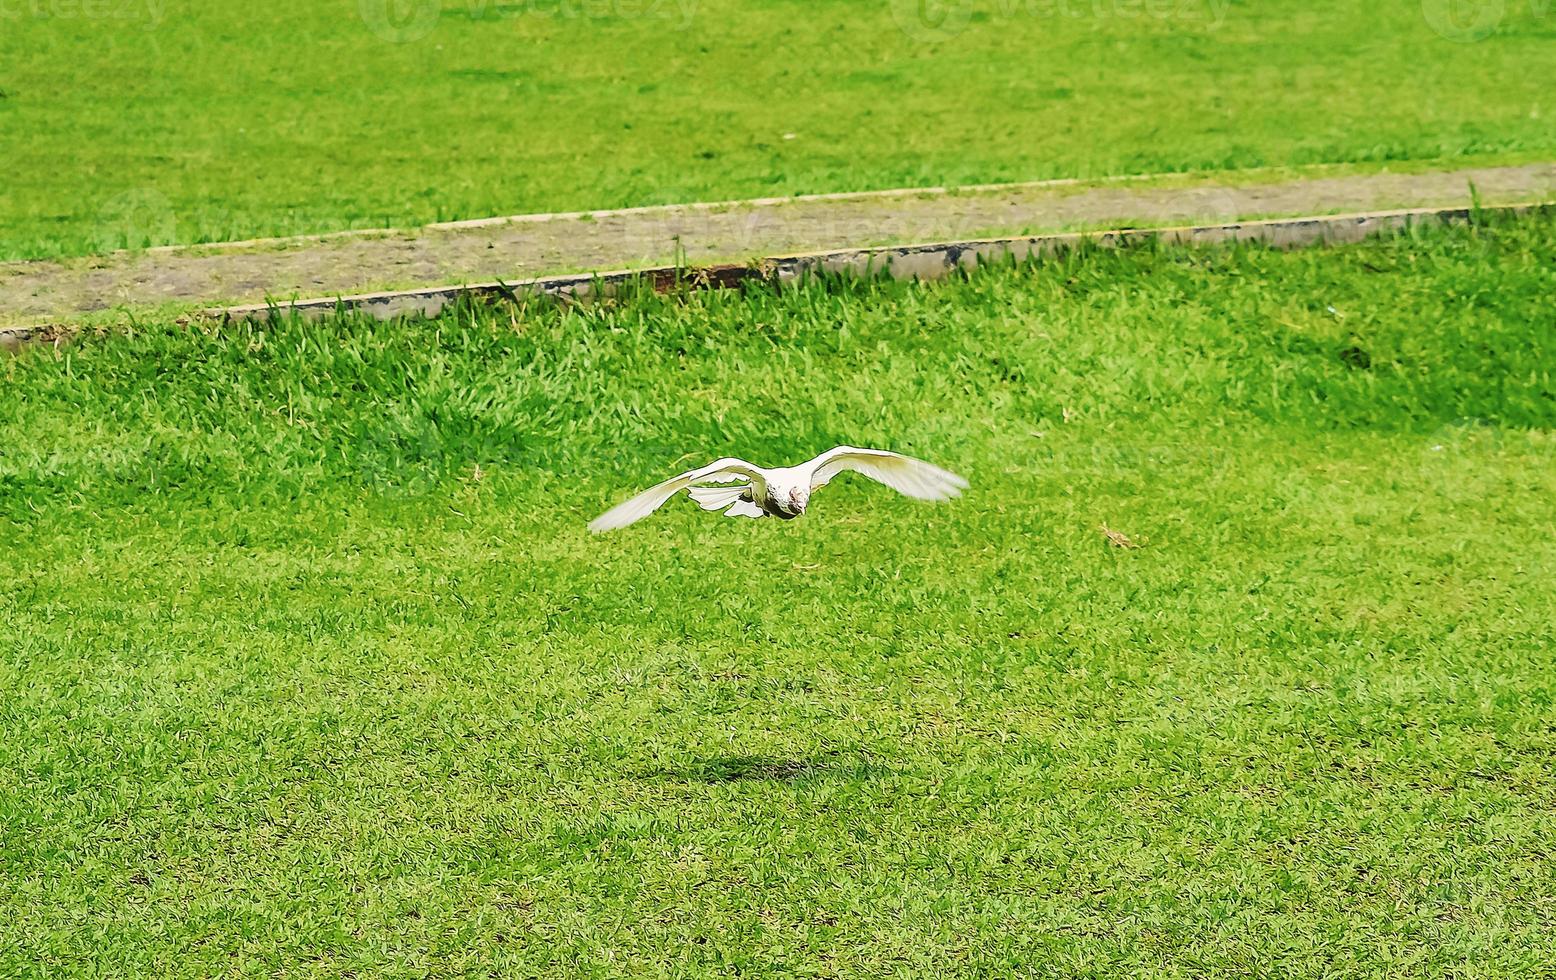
941 20
1475 20
147 12
400 21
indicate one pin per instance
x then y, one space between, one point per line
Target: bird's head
795 500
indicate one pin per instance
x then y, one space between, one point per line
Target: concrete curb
927 261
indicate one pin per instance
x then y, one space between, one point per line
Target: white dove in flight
742 489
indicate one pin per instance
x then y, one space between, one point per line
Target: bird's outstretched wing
904 474
725 470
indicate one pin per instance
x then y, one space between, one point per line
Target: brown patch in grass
1119 539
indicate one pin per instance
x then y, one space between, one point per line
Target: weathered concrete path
534 245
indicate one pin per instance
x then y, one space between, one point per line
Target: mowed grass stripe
224 120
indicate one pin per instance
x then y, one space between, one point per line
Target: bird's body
742 489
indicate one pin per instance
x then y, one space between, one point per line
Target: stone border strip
932 260
695 207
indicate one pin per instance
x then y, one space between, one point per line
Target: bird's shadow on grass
721 769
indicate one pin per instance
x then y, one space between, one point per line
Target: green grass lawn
311 669
135 122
